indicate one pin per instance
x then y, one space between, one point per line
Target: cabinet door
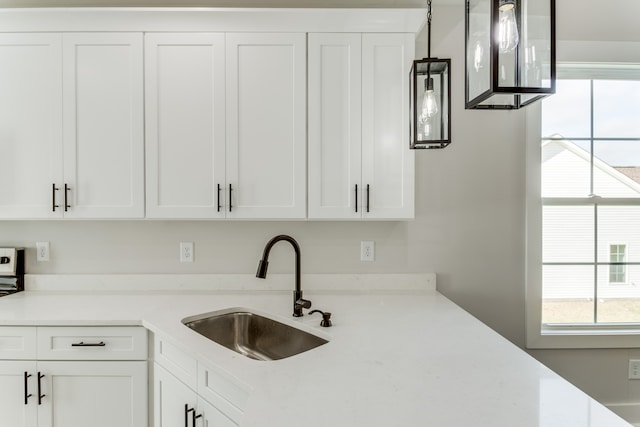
212 417
169 399
266 125
103 125
30 124
18 394
96 394
185 125
387 161
335 126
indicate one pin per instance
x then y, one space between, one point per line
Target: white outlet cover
367 250
186 251
42 251
634 369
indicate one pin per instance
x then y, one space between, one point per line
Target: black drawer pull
83 344
27 395
368 191
219 206
356 202
40 395
53 197
66 198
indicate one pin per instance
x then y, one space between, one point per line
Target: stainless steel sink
254 336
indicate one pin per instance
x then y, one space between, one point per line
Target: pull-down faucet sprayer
298 302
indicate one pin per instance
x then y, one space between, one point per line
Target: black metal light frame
518 95
432 68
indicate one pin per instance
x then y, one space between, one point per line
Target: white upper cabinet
185 125
137 113
71 134
103 126
266 125
30 124
335 126
360 165
387 161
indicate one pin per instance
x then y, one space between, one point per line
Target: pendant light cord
429 28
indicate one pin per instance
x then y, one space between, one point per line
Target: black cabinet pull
40 395
188 410
356 203
194 417
230 198
368 197
27 395
53 197
219 206
88 344
66 197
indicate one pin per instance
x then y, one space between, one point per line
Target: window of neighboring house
590 196
617 268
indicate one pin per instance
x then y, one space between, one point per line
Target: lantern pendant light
430 94
510 52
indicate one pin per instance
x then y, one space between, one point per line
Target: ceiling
229 3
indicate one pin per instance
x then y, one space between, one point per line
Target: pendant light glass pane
478 47
510 52
430 106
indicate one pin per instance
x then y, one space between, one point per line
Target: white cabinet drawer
175 360
92 343
225 392
17 342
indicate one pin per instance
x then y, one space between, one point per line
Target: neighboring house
568 230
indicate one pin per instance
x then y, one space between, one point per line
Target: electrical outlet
42 251
186 251
367 250
634 369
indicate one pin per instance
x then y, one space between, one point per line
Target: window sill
585 336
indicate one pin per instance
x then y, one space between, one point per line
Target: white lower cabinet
189 393
99 394
74 392
18 410
178 405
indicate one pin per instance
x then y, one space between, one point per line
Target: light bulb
508 30
429 109
429 101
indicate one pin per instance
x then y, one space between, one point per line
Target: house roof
632 172
626 175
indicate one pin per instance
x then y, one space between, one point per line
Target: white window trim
569 336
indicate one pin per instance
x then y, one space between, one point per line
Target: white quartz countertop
411 358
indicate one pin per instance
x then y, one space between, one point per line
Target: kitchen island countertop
407 358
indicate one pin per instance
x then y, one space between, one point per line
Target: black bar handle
53 197
40 395
186 414
219 206
66 197
27 395
356 198
368 197
230 198
194 417
83 344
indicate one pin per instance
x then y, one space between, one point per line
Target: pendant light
510 52
430 92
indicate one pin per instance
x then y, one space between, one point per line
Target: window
617 268
590 195
589 204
